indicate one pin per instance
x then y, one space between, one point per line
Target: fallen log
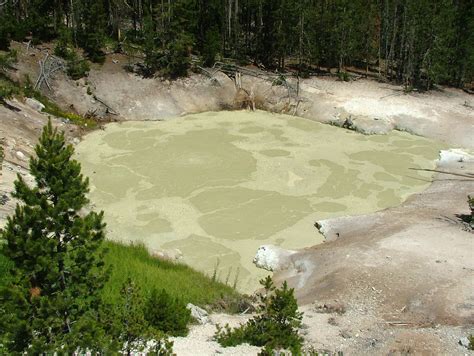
109 109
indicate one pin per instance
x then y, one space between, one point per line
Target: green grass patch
53 109
8 88
148 272
178 280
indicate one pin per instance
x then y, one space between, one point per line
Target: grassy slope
148 272
177 279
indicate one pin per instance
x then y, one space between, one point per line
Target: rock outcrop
273 258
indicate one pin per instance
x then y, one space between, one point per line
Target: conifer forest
414 43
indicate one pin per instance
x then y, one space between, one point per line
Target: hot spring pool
218 185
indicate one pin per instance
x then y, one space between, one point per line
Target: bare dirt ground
446 114
398 281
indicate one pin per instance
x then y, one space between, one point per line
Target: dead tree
48 66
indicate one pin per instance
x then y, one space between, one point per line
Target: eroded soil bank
216 186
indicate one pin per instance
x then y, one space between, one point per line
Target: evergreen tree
152 55
417 43
274 327
132 318
178 56
211 46
209 27
132 328
462 70
39 21
90 32
439 57
167 314
57 254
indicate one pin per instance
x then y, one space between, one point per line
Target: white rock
455 155
168 255
34 104
201 316
272 258
464 341
20 155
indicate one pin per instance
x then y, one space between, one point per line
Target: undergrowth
275 327
8 88
178 280
149 273
52 108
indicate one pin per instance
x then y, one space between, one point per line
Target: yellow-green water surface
218 185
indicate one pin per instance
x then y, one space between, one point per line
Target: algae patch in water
219 185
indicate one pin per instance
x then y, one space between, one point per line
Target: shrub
7 90
130 327
274 327
343 76
167 314
63 48
281 80
77 68
7 61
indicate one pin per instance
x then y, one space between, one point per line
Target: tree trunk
236 25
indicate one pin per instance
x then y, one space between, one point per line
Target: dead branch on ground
466 175
108 107
48 66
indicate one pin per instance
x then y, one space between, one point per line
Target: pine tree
167 314
209 39
178 57
132 318
132 329
90 33
275 325
57 254
150 50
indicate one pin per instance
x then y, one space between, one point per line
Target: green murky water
219 185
